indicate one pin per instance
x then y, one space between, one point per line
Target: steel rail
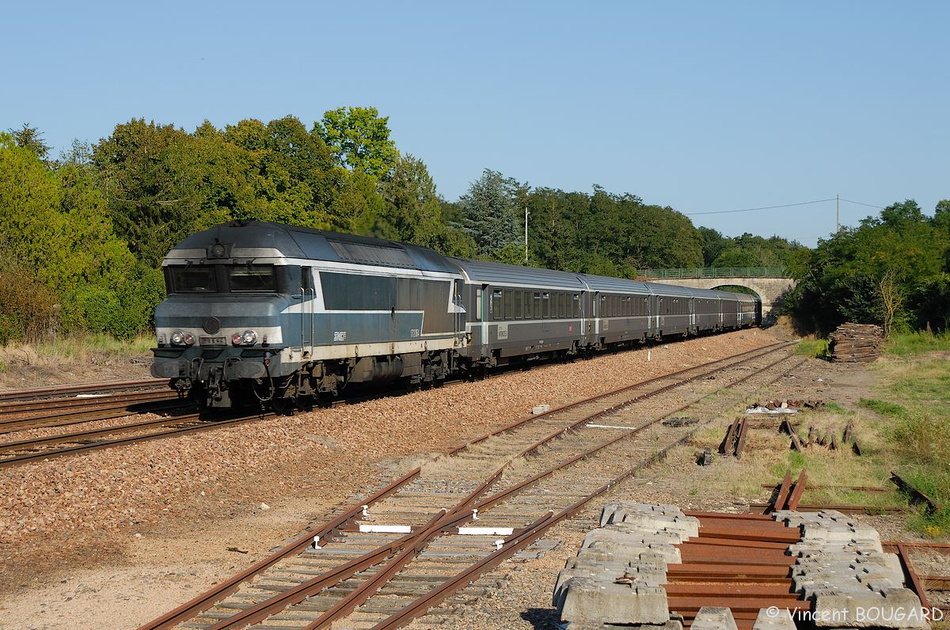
632 431
210 597
405 548
513 544
462 512
91 433
521 540
102 412
86 388
52 405
620 390
208 426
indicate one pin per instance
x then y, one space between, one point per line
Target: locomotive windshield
193 279
257 278
236 279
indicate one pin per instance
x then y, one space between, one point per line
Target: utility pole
526 213
837 214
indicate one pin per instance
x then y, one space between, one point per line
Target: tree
30 138
713 243
491 213
886 271
412 212
359 139
149 207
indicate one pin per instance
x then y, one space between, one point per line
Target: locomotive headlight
182 338
246 338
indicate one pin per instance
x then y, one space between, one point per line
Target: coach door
307 306
596 310
459 309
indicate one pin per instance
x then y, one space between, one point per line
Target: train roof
245 239
481 271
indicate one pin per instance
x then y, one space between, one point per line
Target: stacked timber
856 343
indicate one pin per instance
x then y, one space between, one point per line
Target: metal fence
715 272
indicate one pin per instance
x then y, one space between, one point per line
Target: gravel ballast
116 537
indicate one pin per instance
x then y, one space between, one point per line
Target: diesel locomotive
260 312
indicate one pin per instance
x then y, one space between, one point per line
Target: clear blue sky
702 106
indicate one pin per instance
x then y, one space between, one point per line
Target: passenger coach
261 312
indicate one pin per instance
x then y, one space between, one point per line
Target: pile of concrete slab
841 573
842 569
617 576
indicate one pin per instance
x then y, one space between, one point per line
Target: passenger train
260 312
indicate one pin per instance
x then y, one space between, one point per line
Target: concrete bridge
769 283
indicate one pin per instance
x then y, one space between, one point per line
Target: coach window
537 305
478 304
577 305
508 303
495 305
519 304
546 305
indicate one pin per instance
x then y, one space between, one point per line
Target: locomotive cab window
252 278
192 279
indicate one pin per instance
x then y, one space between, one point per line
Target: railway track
38 448
397 554
63 412
61 392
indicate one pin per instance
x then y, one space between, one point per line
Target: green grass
834 407
883 407
817 348
82 347
908 344
79 349
914 407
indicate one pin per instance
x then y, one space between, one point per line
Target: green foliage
607 234
891 270
98 307
817 348
745 251
31 139
359 139
490 210
27 307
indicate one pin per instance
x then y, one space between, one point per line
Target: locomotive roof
300 242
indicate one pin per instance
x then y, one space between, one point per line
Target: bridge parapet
713 272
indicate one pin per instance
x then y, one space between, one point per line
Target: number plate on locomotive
213 341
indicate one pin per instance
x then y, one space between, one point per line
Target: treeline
82 236
892 270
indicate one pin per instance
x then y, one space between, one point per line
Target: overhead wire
785 205
861 203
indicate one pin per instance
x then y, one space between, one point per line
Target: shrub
28 308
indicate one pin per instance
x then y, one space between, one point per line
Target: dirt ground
75 570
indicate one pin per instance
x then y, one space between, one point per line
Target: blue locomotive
264 312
